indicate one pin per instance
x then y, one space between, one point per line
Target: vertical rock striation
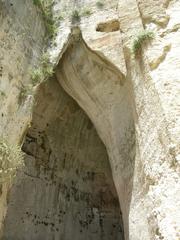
67 188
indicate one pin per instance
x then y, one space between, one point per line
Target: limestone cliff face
67 188
101 136
21 41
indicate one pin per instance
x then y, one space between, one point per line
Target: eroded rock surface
132 102
66 190
101 90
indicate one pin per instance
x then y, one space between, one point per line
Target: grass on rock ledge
100 4
45 7
43 71
76 16
140 39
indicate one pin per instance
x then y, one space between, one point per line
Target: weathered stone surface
132 102
66 190
78 72
21 42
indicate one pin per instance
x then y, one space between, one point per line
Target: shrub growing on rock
75 17
43 71
140 39
99 4
45 7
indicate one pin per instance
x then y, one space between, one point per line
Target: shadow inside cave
66 190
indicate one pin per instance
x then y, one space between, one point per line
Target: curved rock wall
66 190
132 102
101 90
155 89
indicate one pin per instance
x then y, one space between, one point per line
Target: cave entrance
66 190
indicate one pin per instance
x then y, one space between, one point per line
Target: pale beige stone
133 104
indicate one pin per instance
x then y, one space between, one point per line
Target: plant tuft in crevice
45 7
43 71
140 39
75 16
99 4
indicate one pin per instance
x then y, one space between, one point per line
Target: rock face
108 104
66 190
21 41
102 153
21 44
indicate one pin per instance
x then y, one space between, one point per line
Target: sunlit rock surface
131 104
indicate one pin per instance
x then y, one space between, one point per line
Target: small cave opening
66 190
109 26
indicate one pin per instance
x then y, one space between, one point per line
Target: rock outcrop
66 190
101 136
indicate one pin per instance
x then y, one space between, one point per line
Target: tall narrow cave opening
66 190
